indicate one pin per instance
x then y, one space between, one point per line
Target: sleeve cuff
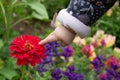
76 25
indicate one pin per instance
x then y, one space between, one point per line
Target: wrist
64 35
70 30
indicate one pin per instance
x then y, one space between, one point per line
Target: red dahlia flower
27 50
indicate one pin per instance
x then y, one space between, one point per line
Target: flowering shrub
27 50
104 58
107 69
52 53
92 58
57 74
98 44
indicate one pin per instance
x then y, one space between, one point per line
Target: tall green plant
9 8
55 5
13 12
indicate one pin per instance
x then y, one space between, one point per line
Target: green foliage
1 43
8 73
55 5
38 9
110 24
13 12
96 48
8 69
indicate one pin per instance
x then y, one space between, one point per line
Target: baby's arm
66 31
61 33
77 18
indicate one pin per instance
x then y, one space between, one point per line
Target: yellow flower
79 41
70 61
98 34
116 49
93 56
110 40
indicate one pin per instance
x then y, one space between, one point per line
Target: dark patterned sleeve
89 11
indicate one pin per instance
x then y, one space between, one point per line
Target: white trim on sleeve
76 25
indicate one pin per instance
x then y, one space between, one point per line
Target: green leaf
1 43
2 78
8 73
39 10
1 64
37 16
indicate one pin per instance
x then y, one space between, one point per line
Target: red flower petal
27 50
20 62
13 55
20 56
32 63
36 59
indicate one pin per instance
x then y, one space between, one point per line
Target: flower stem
20 20
23 72
4 14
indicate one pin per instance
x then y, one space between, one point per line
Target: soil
31 27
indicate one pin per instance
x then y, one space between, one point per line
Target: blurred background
33 17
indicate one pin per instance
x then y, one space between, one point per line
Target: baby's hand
62 34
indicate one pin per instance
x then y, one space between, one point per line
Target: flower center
28 46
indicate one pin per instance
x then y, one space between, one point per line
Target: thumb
50 38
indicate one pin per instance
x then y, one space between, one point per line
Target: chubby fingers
51 38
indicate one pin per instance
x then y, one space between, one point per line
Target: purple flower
79 77
111 73
51 51
117 78
71 75
112 68
98 63
52 48
71 68
113 62
41 69
68 51
56 74
103 77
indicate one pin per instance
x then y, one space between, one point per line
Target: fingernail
39 42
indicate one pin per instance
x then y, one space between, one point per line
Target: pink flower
113 62
103 43
88 50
